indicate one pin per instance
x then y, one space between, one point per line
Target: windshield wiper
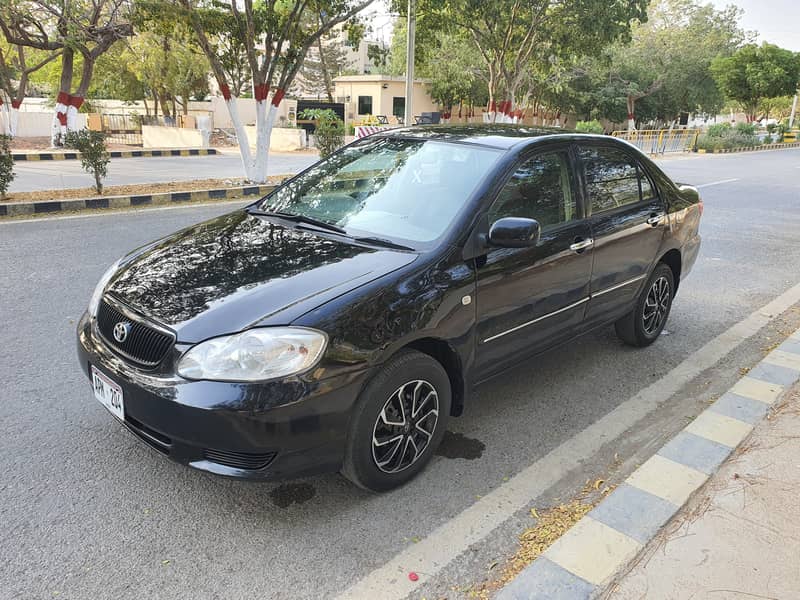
377 241
300 219
303 220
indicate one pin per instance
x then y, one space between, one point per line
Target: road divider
14 209
68 155
780 146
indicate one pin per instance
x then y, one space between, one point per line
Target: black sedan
339 322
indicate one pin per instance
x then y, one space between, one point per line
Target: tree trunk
631 102
67 103
13 117
59 129
255 164
326 76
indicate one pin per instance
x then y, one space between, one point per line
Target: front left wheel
398 422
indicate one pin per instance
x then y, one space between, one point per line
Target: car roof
503 137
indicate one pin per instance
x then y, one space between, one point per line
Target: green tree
754 73
277 35
665 69
516 35
378 55
75 28
324 61
113 77
454 74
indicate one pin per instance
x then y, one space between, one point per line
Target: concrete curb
66 155
586 560
781 146
14 209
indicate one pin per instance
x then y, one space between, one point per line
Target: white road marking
125 211
444 544
702 185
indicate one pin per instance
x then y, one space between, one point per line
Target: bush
771 127
589 127
768 139
94 155
746 128
723 136
6 164
329 130
719 130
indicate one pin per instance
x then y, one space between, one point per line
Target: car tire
408 399
642 326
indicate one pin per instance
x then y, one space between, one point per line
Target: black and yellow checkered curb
15 209
780 146
67 155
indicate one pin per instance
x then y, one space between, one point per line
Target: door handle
579 245
655 219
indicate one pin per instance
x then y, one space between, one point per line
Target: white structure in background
357 59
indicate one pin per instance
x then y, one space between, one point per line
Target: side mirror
514 232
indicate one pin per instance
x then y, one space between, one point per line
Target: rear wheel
398 422
645 322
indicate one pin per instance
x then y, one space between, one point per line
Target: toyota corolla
339 322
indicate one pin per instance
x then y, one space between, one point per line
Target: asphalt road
88 512
39 175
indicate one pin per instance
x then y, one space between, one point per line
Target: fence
660 141
127 128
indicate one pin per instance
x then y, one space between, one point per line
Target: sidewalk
739 536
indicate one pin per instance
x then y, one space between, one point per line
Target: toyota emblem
121 331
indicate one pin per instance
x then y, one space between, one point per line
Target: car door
529 298
627 220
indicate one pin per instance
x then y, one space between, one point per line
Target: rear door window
612 178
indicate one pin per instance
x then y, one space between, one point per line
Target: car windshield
404 189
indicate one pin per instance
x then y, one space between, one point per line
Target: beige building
384 95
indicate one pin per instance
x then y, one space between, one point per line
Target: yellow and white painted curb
587 558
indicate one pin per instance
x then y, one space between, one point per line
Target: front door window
539 189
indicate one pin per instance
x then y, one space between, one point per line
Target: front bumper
275 430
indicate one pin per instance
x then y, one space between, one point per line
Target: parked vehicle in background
338 323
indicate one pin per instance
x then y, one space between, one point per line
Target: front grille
144 345
239 460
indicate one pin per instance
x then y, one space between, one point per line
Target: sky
775 21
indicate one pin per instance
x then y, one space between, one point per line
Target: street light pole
794 111
412 22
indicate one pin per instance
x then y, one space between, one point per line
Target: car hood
238 271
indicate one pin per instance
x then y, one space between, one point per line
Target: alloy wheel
656 305
405 426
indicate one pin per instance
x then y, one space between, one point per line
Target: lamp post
412 21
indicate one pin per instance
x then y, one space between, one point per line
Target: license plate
108 393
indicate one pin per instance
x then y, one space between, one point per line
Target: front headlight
254 355
94 301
